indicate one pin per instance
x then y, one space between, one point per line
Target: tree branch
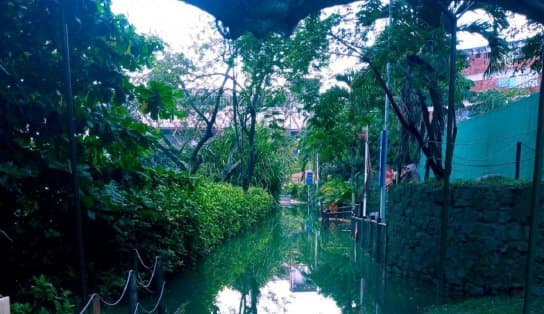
437 169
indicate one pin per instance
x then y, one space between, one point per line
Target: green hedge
162 213
191 216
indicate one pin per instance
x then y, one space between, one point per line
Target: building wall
478 61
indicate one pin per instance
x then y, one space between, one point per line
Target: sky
176 22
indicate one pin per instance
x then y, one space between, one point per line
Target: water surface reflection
289 265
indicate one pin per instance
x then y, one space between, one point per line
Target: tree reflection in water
287 265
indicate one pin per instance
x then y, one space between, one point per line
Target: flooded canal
289 265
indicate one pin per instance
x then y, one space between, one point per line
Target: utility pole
535 198
365 177
383 137
73 150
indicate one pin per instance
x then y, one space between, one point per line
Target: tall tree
416 46
203 97
264 64
34 170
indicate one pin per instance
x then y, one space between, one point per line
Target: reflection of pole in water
308 211
380 293
355 251
362 296
315 248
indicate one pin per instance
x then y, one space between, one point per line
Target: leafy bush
190 216
335 191
46 298
296 190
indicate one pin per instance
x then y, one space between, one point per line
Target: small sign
309 177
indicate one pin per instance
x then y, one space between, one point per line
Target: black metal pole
450 138
535 197
73 153
518 159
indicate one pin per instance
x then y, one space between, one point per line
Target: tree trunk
251 146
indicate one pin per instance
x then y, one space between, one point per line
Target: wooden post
132 293
135 261
96 306
159 281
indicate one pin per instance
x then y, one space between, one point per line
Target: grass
489 305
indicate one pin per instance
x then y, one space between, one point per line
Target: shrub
46 298
335 191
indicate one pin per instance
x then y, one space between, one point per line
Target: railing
132 283
342 212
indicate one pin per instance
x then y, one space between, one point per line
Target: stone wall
487 238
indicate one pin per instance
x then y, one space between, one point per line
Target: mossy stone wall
487 236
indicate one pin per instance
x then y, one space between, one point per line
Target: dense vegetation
127 201
136 188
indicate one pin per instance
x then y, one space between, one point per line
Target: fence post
132 293
135 261
159 281
371 238
96 306
378 242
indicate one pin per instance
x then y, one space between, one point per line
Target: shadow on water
289 265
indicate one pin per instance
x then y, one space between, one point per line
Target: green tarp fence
486 144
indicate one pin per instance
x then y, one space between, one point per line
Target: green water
289 265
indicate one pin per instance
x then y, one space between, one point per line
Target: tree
264 63
34 172
335 125
201 103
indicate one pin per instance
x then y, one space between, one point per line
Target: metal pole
362 296
535 197
444 214
383 147
317 174
365 184
73 153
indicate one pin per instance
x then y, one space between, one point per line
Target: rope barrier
141 260
138 283
91 298
96 295
157 304
122 294
146 285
